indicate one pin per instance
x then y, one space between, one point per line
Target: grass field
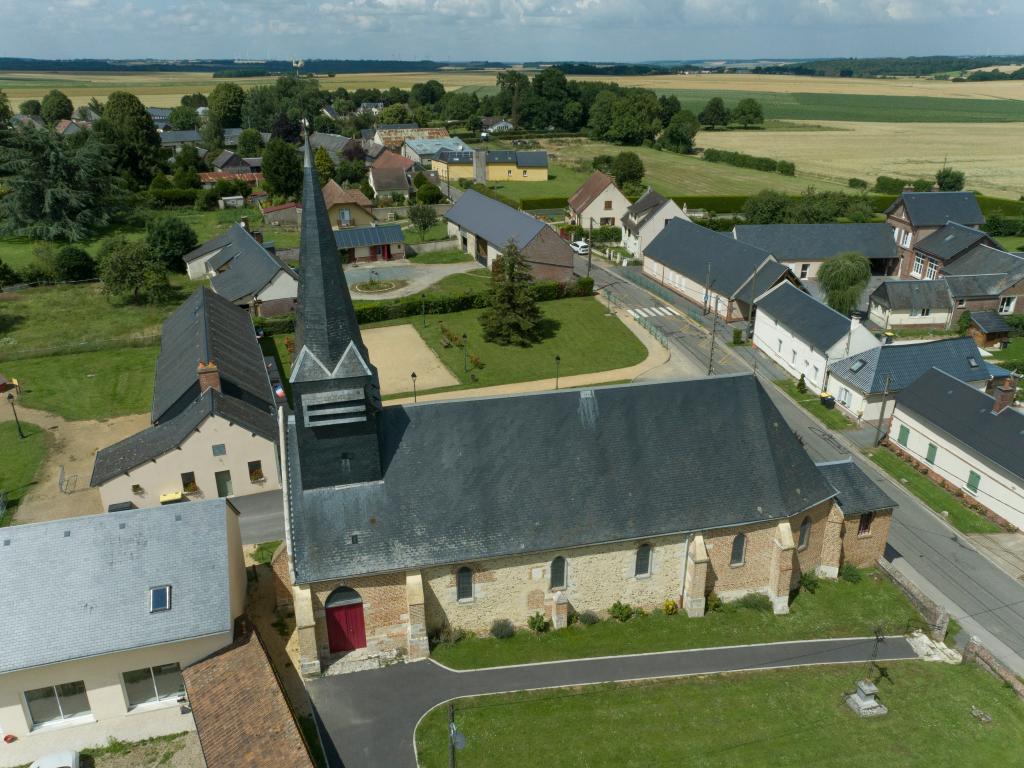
836 609
832 418
22 459
789 718
1012 243
449 256
439 231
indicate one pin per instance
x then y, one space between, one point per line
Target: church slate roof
858 493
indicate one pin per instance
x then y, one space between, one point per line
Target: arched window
739 549
558 573
464 583
805 533
643 560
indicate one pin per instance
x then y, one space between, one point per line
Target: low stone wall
435 245
936 617
392 212
977 653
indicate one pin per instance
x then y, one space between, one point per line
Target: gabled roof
951 240
645 207
965 414
904 363
933 209
248 272
334 143
236 235
858 493
455 158
79 587
179 137
494 221
990 322
521 159
817 242
226 156
389 159
208 328
625 469
805 317
335 194
689 249
912 294
597 183
387 178
354 237
983 271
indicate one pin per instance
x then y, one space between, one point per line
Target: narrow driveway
260 516
368 719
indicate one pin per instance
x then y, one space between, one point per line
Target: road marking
632 313
662 311
644 312
674 311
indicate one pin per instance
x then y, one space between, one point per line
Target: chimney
908 188
1005 394
244 222
209 376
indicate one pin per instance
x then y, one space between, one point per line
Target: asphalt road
370 718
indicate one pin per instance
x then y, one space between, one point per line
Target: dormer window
972 361
857 365
160 598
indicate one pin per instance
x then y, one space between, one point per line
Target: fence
635 276
393 212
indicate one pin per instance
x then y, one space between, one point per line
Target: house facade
379 242
915 216
645 219
598 203
511 165
347 207
388 181
805 247
452 166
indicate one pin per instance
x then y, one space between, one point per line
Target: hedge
597 235
741 160
159 198
1000 205
544 203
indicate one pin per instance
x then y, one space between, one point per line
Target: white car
582 247
67 759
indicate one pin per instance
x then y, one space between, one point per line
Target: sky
508 30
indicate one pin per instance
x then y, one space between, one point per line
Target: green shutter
973 480
932 450
903 436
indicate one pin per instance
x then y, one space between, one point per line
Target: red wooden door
345 628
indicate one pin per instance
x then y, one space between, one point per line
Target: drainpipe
686 563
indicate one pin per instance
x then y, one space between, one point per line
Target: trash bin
827 400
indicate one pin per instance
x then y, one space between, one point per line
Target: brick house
598 203
915 216
396 526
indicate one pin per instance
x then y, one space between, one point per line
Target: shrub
737 336
621 611
502 629
850 572
588 618
161 198
544 203
809 581
857 184
755 601
801 384
786 168
538 623
669 607
889 185
713 603
741 160
585 286
428 194
450 635
72 263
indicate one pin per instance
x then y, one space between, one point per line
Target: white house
967 438
598 203
101 615
645 219
802 335
918 303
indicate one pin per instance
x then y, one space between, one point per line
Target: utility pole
714 332
707 288
750 317
590 245
881 417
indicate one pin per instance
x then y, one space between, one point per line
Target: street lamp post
414 386
17 421
558 359
465 353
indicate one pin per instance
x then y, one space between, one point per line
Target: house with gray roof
916 216
865 384
802 335
213 427
805 247
967 439
986 278
713 270
989 329
334 143
645 219
424 150
378 242
102 614
917 303
484 226
613 500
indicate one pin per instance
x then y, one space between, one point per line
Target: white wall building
645 219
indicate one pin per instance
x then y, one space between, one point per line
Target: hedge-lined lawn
439 231
1015 350
562 182
88 385
450 256
836 609
474 281
790 718
21 461
832 418
937 498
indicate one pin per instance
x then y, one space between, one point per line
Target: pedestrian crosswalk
658 311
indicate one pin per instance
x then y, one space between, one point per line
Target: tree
422 216
950 179
282 171
30 107
56 106
56 189
628 168
350 171
324 165
714 114
194 100
5 110
459 105
425 94
748 112
72 263
183 119
131 268
186 168
681 130
393 114
513 315
250 143
963 323
133 139
170 238
603 163
212 135
512 87
286 129
226 102
572 116
843 279
429 194
766 207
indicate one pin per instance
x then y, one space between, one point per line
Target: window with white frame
845 397
804 269
932 270
920 312
55 703
907 237
792 358
918 265
961 303
780 346
1006 304
153 684
160 598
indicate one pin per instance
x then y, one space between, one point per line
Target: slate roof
912 294
79 587
626 467
387 178
983 271
179 137
207 327
858 493
152 443
805 317
905 363
965 414
689 248
990 322
521 159
950 240
494 221
587 193
817 242
933 209
334 143
235 231
456 158
247 273
355 237
641 210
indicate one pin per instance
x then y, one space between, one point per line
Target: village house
388 181
283 215
228 162
988 329
102 614
914 216
918 303
967 439
645 219
865 383
451 166
424 150
213 429
347 207
370 107
378 242
805 247
494 124
802 335
394 136
986 278
511 165
160 116
713 270
334 143
483 227
378 557
389 159
598 203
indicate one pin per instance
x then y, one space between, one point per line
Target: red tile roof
389 159
335 194
212 177
592 187
281 207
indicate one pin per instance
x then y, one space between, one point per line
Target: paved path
369 718
419 276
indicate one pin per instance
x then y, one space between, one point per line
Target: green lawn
940 500
792 718
562 182
265 551
474 281
836 609
88 385
449 256
439 231
1015 350
22 459
832 418
1012 243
